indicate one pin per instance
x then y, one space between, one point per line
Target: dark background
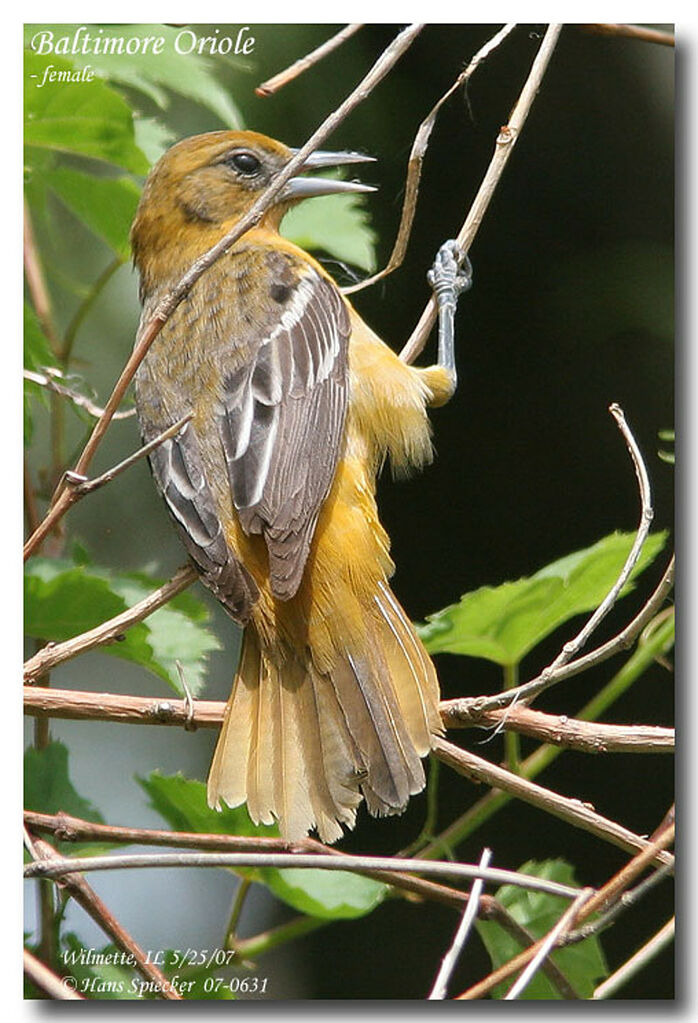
571 309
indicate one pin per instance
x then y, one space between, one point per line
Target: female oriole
294 404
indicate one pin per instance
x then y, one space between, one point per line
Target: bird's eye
245 163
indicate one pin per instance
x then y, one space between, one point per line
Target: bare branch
620 881
640 32
50 380
560 730
504 146
416 159
519 961
355 864
135 710
553 673
554 936
438 991
47 981
83 487
574 811
637 962
549 728
273 85
54 654
646 515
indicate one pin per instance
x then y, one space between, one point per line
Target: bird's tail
302 747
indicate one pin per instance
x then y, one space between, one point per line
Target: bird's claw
451 273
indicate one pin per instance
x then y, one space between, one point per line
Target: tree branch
273 85
46 980
560 730
506 140
549 728
573 811
624 639
355 864
645 35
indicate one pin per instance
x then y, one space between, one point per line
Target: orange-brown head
202 185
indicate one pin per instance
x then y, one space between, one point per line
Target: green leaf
152 137
106 205
583 964
337 224
502 623
329 895
670 437
63 600
47 784
86 118
154 73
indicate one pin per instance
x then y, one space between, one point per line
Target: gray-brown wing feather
176 466
282 425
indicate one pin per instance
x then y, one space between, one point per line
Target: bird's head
210 181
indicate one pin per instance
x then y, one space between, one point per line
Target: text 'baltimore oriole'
294 404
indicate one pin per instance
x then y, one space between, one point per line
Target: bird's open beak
306 188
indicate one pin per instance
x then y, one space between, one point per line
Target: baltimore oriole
294 402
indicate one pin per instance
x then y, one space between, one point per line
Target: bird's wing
282 419
177 468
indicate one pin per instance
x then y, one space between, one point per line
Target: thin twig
645 35
273 85
574 811
637 962
626 901
416 159
355 864
79 889
84 487
646 515
54 654
506 140
481 704
49 379
64 498
523 937
620 881
555 935
552 674
448 964
47 981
